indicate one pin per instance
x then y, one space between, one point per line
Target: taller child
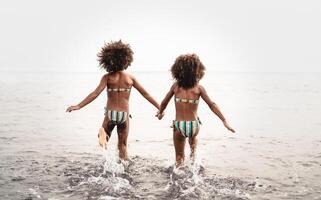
115 57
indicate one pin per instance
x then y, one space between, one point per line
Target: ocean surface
46 153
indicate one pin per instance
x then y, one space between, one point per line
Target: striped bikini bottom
187 128
116 117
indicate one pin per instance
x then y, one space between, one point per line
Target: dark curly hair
187 70
115 56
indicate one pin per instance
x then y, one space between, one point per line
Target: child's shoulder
174 86
105 76
129 75
199 85
200 88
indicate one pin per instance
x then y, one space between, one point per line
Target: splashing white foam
112 163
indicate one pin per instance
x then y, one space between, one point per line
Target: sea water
46 153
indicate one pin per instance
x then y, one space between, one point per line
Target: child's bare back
119 85
186 111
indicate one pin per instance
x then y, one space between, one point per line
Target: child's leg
192 144
122 131
105 132
108 127
179 143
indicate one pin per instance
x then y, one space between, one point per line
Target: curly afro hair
115 56
187 70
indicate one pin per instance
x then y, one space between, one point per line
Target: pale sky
274 35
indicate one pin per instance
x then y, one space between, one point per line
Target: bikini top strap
118 89
193 101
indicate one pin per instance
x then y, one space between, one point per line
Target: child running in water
187 71
115 58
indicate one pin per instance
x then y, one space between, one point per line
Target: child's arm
92 96
215 109
144 93
165 101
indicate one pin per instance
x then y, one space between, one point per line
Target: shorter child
187 71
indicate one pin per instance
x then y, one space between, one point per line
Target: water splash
190 182
112 163
105 177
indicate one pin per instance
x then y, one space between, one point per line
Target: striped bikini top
118 89
193 101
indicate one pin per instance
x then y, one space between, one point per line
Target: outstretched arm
165 101
215 109
144 93
92 96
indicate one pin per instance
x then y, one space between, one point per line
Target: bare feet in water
103 138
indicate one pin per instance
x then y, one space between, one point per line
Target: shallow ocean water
46 153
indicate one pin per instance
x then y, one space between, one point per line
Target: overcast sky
274 35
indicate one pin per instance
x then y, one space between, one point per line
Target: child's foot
103 138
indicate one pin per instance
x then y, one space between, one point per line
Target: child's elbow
212 104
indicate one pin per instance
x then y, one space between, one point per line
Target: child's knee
122 145
180 154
